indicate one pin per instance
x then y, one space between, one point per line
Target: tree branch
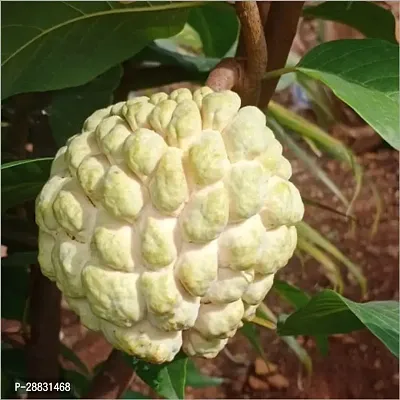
44 341
280 30
113 380
263 8
244 74
255 48
228 74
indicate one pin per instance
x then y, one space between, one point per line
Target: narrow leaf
23 180
365 75
306 231
379 207
330 313
331 145
250 331
370 19
54 45
70 107
300 352
309 161
331 270
195 379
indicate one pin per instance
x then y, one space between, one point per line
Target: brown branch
244 75
255 48
44 342
113 380
280 30
263 8
227 75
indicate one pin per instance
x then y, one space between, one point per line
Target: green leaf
218 27
70 355
368 18
23 180
365 75
292 294
329 313
250 331
54 45
298 298
19 259
168 379
14 292
70 107
300 352
322 343
195 379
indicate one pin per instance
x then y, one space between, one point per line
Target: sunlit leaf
330 313
365 75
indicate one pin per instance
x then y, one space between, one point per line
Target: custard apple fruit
165 220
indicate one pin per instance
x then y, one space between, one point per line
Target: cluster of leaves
82 53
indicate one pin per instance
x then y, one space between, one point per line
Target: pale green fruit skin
166 219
